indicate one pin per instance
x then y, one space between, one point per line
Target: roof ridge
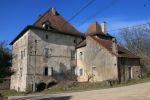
42 15
96 40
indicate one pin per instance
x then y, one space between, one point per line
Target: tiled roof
56 21
58 24
122 51
94 28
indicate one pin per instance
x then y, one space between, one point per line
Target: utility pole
34 74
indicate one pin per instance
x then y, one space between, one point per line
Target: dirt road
133 92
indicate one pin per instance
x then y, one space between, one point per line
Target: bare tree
137 39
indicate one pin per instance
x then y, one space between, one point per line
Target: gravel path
133 92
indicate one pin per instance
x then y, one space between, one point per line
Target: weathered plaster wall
97 56
81 65
61 51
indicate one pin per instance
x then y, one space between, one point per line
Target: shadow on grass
57 98
42 98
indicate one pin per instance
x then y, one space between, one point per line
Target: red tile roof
94 28
122 51
57 22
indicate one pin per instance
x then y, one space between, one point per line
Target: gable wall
105 63
19 65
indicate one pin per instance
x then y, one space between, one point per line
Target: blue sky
16 14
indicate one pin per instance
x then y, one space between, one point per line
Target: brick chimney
103 27
114 46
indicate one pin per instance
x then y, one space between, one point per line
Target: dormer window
46 25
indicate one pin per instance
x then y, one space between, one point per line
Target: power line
88 4
77 13
98 12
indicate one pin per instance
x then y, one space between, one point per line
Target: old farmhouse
52 48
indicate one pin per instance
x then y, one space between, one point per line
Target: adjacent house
51 47
101 58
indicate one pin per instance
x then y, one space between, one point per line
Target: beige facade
97 62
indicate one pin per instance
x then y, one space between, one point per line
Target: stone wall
5 85
19 63
61 49
124 72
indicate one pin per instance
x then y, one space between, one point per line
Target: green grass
63 87
74 87
10 93
135 81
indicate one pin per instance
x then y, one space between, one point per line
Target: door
130 72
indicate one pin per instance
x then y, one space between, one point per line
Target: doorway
130 72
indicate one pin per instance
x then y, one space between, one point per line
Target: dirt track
133 92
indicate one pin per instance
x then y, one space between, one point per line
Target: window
130 72
94 70
48 71
21 54
81 72
46 24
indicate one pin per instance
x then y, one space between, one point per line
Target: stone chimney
53 11
114 46
103 27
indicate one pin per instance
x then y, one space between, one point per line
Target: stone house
51 47
101 58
